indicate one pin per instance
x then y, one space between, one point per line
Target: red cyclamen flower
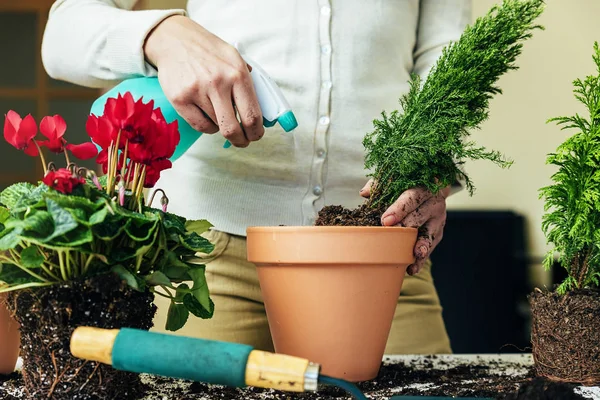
83 151
53 128
153 172
20 132
62 180
130 117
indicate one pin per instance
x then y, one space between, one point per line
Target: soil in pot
48 317
340 216
565 335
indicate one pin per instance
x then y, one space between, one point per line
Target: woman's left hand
417 208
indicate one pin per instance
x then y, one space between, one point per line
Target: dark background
480 270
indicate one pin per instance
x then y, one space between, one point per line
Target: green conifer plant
572 202
426 143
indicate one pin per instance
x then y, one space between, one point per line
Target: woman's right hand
205 79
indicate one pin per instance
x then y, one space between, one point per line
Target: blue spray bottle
274 106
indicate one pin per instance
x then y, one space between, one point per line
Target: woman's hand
417 208
205 79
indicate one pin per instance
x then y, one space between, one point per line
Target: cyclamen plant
74 225
572 202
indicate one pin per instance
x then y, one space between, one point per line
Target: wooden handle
93 344
276 371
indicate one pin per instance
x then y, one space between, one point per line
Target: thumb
366 190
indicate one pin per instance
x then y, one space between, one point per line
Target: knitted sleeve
97 43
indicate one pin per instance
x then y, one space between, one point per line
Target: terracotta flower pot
331 292
9 339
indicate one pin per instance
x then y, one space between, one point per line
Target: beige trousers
240 315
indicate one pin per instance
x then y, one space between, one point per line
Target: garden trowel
208 361
273 104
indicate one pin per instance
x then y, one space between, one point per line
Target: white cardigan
339 63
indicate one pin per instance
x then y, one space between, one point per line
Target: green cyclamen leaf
176 317
77 237
37 224
11 195
157 278
200 288
127 276
99 216
31 257
4 214
13 275
111 227
74 202
140 230
192 304
181 291
35 199
10 239
63 220
199 226
174 223
197 243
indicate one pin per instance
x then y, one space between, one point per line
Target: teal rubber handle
181 357
437 398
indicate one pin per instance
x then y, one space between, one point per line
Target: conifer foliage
572 201
426 143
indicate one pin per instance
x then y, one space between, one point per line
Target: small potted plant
76 249
348 270
565 331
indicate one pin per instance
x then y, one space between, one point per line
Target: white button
326 49
327 84
324 120
320 153
317 191
325 10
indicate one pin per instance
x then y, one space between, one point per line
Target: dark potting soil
566 335
340 216
48 317
417 379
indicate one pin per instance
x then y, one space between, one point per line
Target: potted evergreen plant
565 331
76 249
349 277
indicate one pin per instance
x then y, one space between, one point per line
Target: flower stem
67 157
14 262
140 189
41 157
49 272
113 164
124 166
61 263
87 264
168 296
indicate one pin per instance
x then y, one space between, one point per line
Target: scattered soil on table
415 379
340 216
566 335
48 317
543 389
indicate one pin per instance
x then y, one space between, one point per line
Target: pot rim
323 229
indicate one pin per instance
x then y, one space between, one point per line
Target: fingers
229 126
248 109
196 117
432 207
430 236
408 202
366 190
